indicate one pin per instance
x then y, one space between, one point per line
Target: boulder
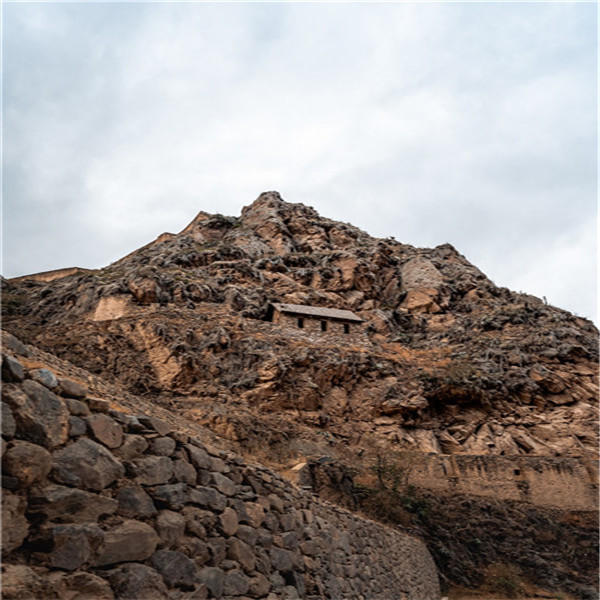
162 446
41 416
235 583
207 497
105 430
176 568
172 496
69 505
224 484
198 456
15 526
228 520
158 425
9 427
242 553
170 527
71 389
86 464
258 586
84 586
130 541
152 470
77 427
183 471
132 447
74 545
212 578
12 369
44 377
77 408
134 581
20 582
27 462
133 501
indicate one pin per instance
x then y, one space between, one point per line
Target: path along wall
102 504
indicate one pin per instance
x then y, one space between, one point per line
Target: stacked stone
102 504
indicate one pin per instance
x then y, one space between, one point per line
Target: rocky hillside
454 364
447 365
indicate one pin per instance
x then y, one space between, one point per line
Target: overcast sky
473 124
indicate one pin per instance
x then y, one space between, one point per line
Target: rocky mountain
452 393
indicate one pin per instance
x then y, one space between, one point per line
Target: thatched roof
317 311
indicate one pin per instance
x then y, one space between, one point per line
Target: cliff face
447 362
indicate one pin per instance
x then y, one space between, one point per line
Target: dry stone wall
102 504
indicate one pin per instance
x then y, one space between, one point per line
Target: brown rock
98 405
86 464
158 425
132 447
152 470
15 526
223 484
105 430
72 389
130 541
235 583
77 408
20 582
162 446
242 553
228 521
170 527
69 505
12 369
86 586
41 416
135 502
74 545
254 514
137 582
9 427
27 462
183 471
198 456
259 586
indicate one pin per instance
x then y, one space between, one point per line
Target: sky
468 123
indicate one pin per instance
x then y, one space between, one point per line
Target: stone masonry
102 504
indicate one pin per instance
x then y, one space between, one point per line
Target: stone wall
102 504
568 483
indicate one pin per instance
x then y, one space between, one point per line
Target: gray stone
133 501
170 527
249 535
242 553
130 541
69 505
172 496
289 540
72 389
41 416
198 456
176 568
162 446
10 342
184 472
105 430
132 447
218 549
218 465
27 462
282 560
228 521
86 464
223 484
74 545
158 425
207 497
133 581
77 427
9 427
259 586
152 470
98 405
12 369
195 549
15 526
235 583
212 578
77 408
44 377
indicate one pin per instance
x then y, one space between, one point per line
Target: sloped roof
318 311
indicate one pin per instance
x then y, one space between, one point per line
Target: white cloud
472 124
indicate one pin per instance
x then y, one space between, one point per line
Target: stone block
130 541
176 568
152 470
26 462
105 430
170 527
133 501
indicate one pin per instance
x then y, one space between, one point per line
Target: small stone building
316 320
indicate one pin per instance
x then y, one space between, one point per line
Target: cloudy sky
473 124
